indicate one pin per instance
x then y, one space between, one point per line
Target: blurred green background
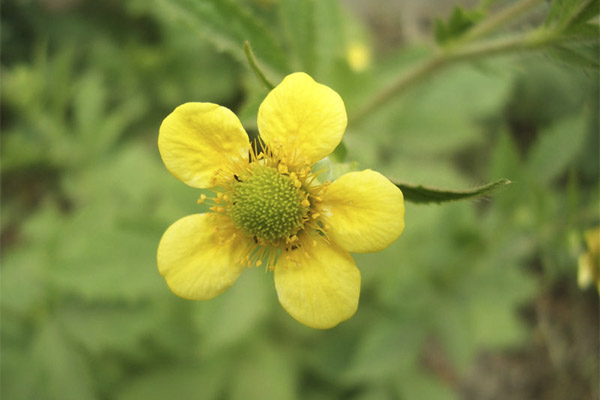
477 299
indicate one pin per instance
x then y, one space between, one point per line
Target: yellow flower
589 264
358 56
269 208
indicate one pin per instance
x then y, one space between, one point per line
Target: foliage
85 197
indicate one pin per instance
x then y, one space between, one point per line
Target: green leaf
579 56
263 361
230 318
561 12
227 25
298 23
421 385
329 28
589 10
60 370
180 381
556 148
459 22
422 194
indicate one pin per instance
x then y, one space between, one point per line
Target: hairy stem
254 66
460 50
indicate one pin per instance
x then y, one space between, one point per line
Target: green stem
459 50
254 66
499 20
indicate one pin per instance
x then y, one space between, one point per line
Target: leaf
459 22
263 361
298 22
562 12
421 385
556 148
227 25
60 370
232 317
578 56
566 13
590 10
422 194
388 348
179 381
329 28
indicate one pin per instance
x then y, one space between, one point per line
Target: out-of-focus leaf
298 23
571 12
230 318
422 194
440 116
589 10
459 22
60 370
329 29
180 381
421 385
101 328
556 148
576 55
386 349
228 25
262 362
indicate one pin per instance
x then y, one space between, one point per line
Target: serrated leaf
227 25
459 23
421 194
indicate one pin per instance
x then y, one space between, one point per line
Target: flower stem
254 66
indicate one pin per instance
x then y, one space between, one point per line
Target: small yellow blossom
589 262
272 210
358 56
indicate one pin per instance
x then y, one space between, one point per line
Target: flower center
268 205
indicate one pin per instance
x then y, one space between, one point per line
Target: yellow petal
201 144
319 287
198 257
363 211
304 118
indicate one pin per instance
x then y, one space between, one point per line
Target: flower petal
363 211
319 287
197 257
200 143
304 116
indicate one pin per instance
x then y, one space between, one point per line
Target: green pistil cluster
267 205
